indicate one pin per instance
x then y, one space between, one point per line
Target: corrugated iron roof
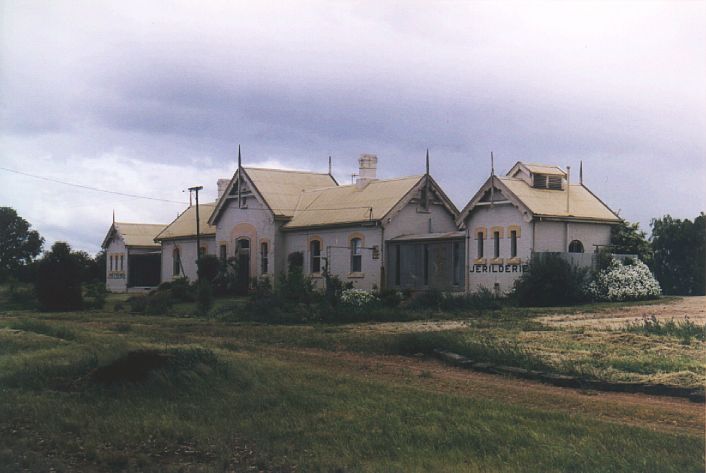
544 169
431 236
281 188
552 203
135 234
348 204
184 226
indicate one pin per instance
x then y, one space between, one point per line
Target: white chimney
222 186
368 166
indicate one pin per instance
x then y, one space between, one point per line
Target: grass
684 329
220 398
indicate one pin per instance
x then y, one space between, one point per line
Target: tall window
513 243
315 252
356 255
223 253
397 265
576 247
480 244
264 257
202 251
496 244
176 262
121 262
111 262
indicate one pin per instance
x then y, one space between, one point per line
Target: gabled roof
583 204
349 204
546 203
135 234
184 226
279 188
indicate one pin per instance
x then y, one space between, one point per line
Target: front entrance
242 254
144 269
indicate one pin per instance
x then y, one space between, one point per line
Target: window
513 243
315 253
223 252
121 262
480 244
397 265
111 262
202 251
176 262
356 255
575 247
496 244
264 257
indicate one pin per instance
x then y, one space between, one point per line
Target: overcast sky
153 97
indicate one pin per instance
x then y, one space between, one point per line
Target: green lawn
250 407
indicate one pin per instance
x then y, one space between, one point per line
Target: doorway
242 252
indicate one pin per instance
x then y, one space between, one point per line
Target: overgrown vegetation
58 283
684 329
105 397
679 254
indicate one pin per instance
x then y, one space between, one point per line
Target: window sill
316 275
497 261
480 261
514 260
356 275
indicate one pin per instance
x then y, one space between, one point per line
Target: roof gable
278 188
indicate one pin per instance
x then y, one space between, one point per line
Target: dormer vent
546 181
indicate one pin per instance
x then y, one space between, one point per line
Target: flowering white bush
357 297
619 282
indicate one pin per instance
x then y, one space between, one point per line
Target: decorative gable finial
329 165
427 161
113 216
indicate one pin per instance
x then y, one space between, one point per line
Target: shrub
208 267
621 282
138 304
550 281
390 298
204 297
358 298
98 294
181 290
334 288
58 283
158 304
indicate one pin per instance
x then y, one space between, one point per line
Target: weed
684 329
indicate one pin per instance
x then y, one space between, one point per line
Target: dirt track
651 412
692 307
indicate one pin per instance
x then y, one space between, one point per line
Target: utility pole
196 189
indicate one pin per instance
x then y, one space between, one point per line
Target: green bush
550 281
58 283
182 291
208 267
97 293
138 304
158 304
390 298
204 297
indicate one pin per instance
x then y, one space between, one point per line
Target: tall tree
679 255
627 238
59 275
19 245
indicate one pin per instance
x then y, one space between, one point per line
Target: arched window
111 262
480 237
496 244
264 258
576 247
176 262
356 255
315 252
121 262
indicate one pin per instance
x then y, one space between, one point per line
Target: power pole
196 189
